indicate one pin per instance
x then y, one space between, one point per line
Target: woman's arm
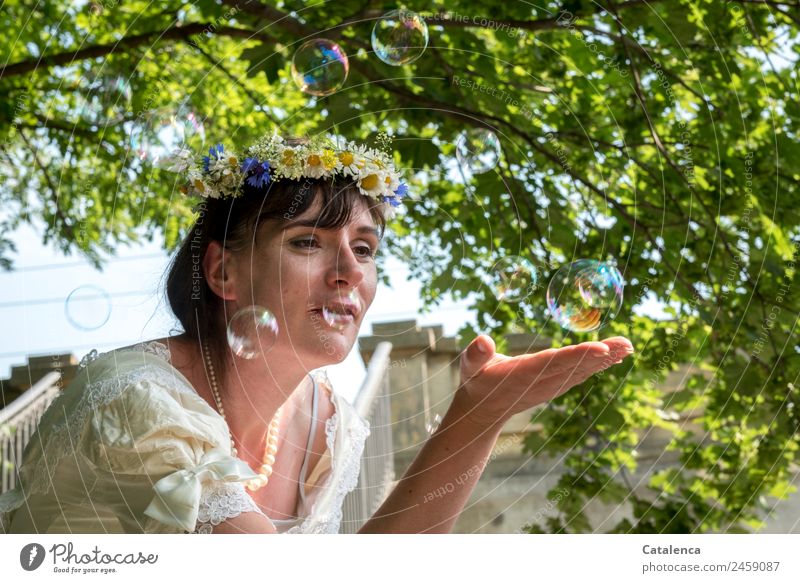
441 478
245 523
493 388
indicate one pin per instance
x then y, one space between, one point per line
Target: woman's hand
494 386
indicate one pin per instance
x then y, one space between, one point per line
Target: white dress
130 447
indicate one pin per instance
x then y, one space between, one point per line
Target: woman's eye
304 243
366 251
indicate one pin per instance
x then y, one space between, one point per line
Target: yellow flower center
288 157
198 184
314 160
369 182
346 158
329 159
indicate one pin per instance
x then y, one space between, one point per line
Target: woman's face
296 269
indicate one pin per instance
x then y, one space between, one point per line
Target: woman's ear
219 267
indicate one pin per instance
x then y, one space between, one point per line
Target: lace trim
220 501
96 394
153 347
329 524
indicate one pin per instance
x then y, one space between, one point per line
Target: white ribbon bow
177 497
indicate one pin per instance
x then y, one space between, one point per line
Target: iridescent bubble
431 427
165 132
339 312
513 279
400 37
106 101
88 307
478 150
320 67
252 331
585 295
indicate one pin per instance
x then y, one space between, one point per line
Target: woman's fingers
619 346
514 384
558 361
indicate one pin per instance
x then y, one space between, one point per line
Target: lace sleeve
162 458
220 501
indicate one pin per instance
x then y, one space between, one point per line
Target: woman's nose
347 270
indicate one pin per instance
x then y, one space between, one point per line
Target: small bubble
478 150
166 131
400 37
88 307
320 67
252 331
342 311
585 294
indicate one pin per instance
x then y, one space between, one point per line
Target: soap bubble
165 132
252 331
105 101
431 427
585 294
88 307
336 314
478 150
513 279
320 67
400 37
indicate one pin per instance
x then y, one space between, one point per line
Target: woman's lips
339 316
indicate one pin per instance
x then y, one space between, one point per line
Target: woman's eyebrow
370 230
315 223
302 223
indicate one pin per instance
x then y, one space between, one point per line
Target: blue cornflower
216 152
402 190
249 164
260 173
392 200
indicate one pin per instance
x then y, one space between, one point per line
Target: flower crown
221 174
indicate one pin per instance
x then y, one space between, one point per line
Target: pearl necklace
272 433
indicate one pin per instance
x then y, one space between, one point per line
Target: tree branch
65 225
92 52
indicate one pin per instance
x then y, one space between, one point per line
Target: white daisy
353 159
314 168
372 182
180 160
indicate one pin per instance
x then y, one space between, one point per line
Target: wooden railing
377 462
18 423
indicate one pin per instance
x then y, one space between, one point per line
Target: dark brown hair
234 223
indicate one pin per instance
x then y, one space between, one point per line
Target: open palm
494 386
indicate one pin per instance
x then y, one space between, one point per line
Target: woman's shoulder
118 401
103 376
135 385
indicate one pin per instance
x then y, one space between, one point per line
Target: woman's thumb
479 351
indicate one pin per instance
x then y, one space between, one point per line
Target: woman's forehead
310 217
361 222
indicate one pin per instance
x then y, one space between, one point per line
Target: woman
181 435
